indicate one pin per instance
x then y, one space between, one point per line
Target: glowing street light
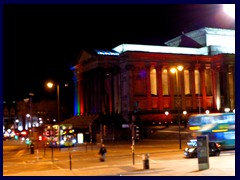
184 112
16 121
50 85
166 113
175 71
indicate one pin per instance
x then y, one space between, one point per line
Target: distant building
22 115
136 79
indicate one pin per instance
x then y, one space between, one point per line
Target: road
84 160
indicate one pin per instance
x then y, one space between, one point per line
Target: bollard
91 144
145 158
70 160
86 145
37 155
32 148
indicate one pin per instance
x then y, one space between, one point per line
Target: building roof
206 37
204 41
198 42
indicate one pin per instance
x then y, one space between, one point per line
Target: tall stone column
182 89
131 69
116 91
231 86
171 78
203 87
216 87
127 98
149 97
159 87
192 88
78 92
199 103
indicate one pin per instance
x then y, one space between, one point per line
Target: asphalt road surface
83 160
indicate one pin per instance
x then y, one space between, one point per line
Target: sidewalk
218 166
169 168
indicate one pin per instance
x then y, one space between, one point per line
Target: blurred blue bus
220 128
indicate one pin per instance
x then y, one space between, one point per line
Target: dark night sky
42 41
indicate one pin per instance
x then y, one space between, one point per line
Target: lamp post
16 127
31 116
185 120
28 123
178 101
50 85
166 121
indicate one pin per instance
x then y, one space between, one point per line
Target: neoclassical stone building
134 78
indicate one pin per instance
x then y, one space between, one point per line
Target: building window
186 82
208 82
153 81
165 82
197 82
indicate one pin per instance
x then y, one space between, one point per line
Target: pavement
155 169
218 166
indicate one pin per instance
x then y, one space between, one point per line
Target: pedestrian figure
102 152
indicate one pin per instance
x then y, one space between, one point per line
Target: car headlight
191 149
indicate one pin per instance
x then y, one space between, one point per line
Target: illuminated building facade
134 78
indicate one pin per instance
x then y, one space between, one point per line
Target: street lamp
28 122
50 85
16 121
166 121
185 118
175 71
31 115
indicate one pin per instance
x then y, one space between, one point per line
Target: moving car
191 151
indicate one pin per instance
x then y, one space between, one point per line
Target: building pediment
83 57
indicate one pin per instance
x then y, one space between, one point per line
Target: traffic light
28 141
40 138
137 133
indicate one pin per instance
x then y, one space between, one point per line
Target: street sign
202 152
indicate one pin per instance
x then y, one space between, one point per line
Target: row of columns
97 91
198 101
90 91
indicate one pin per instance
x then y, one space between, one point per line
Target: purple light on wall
143 73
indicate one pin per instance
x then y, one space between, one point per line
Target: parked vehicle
191 151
